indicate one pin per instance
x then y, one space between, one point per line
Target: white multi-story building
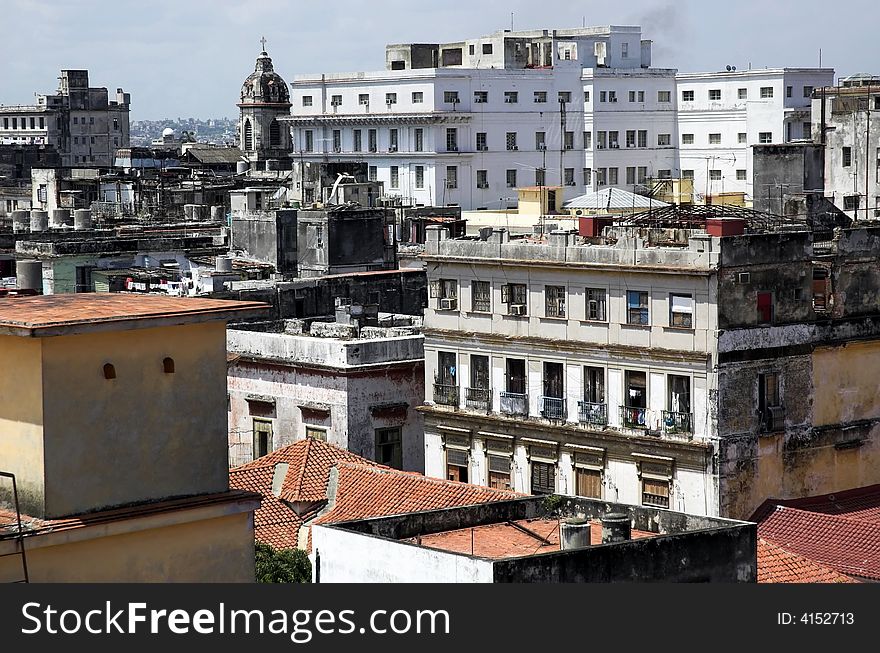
466 123
82 123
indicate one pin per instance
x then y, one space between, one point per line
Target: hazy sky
188 57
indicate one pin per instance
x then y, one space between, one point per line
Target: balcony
479 399
677 423
514 403
592 413
552 407
634 417
446 395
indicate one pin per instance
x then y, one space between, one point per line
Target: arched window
168 365
248 136
274 134
109 371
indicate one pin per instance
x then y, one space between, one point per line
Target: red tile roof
861 504
364 489
847 545
76 313
776 565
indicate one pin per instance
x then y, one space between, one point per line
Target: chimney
616 528
278 478
574 533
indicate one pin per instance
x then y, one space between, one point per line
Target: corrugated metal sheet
612 198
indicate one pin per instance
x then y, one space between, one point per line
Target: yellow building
113 422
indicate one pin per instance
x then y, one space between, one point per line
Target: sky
188 58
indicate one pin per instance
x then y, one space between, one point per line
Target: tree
281 565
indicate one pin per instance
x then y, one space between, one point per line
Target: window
515 295
450 97
554 301
632 96
511 97
601 140
664 140
808 91
389 447
540 140
687 174
336 101
603 96
742 94
499 472
307 102
418 97
601 176
637 307
742 138
765 137
457 465
471 49
92 140
612 96
540 97
481 298
310 140
714 94
641 96
664 97
714 139
6 123
511 178
543 477
624 50
612 140
687 96
91 120
451 176
337 140
84 279
564 97
75 120
419 139
420 176
741 175
807 129
612 176
540 177
594 385
715 174
851 202
588 482
568 176
769 402
631 138
515 375
586 96
487 48
451 139
588 176
568 140
372 139
630 175
363 98
481 97
766 92
391 98
643 138
552 401
765 307
262 444
687 139
655 492
681 311
482 179
316 433
588 140
76 140
373 173
395 177
595 304
847 157
481 142
788 91
511 141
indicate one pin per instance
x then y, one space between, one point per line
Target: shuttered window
543 478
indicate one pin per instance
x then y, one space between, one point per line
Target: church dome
264 85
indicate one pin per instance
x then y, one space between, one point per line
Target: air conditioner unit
514 148
449 184
482 185
541 147
508 100
483 148
745 277
600 147
389 102
452 148
517 309
337 149
448 304
615 146
393 148
454 100
569 183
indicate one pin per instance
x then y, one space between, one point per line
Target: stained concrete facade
332 381
696 379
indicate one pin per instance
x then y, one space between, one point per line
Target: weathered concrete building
81 122
351 385
847 121
690 359
112 424
560 539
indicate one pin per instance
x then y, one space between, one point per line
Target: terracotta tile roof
847 545
776 565
861 504
365 489
509 540
76 313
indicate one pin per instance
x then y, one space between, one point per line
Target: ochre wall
845 382
212 550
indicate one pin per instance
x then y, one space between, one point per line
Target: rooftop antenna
511 21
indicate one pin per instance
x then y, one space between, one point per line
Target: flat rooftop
514 539
69 314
